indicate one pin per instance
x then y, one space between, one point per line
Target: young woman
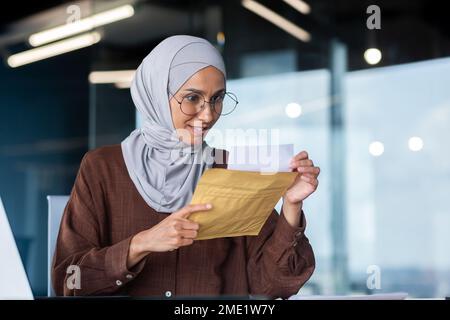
126 226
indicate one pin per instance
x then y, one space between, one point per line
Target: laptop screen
13 279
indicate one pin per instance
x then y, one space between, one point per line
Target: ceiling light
117 76
82 25
372 56
277 20
299 5
53 49
293 110
415 143
376 148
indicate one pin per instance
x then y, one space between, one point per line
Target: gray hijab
165 170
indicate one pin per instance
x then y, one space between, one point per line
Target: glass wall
398 176
397 119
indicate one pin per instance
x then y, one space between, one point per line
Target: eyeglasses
194 102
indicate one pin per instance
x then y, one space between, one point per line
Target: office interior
363 86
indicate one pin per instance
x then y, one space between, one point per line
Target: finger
186 242
181 242
184 224
311 175
190 225
186 211
301 163
300 156
306 178
313 170
310 180
188 234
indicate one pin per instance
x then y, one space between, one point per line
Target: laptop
14 284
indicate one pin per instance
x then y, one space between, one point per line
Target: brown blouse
105 211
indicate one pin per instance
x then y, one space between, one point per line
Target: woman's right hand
171 233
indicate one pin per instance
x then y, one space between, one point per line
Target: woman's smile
198 130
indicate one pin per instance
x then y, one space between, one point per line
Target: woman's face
192 129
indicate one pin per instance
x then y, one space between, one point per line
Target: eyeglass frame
212 104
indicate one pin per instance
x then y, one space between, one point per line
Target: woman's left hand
306 181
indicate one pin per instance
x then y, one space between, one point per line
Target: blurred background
364 89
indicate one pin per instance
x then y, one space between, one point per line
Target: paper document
268 158
242 201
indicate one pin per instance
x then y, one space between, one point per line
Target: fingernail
208 206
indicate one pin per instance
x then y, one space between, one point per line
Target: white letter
374 21
74 280
374 278
75 13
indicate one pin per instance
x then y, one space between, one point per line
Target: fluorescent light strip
122 85
118 76
277 20
53 49
299 5
83 25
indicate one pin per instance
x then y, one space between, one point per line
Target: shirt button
118 282
129 276
168 294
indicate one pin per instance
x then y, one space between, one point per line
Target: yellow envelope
242 201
